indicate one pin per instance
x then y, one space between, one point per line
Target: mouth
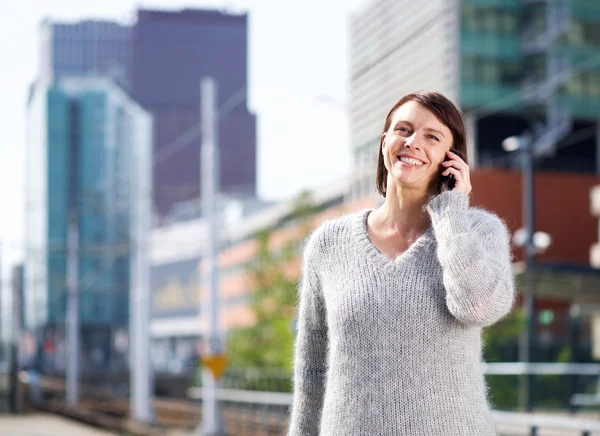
410 161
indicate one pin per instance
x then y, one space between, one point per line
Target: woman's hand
460 170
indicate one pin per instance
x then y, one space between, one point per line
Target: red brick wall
562 209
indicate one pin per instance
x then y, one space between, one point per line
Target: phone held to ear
449 180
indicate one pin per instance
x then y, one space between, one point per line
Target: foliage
501 345
501 339
268 344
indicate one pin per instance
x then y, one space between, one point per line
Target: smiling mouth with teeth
408 160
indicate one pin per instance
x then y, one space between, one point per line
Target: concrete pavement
39 424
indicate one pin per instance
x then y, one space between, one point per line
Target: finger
454 164
458 167
458 164
461 182
452 171
455 156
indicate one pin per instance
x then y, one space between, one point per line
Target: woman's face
415 145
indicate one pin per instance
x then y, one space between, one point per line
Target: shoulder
332 233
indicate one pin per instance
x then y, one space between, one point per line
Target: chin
414 183
406 178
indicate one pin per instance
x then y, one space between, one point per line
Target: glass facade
491 62
161 60
86 48
493 67
496 68
93 156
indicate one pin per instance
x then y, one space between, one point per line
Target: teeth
410 161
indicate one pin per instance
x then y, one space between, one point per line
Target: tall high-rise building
160 61
509 64
85 48
171 52
88 157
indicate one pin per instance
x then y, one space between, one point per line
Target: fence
273 407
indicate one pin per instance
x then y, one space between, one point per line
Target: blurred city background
161 164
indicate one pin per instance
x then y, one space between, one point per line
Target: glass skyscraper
160 60
494 66
88 157
85 48
511 52
171 52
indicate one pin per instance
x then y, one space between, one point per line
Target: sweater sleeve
310 350
474 252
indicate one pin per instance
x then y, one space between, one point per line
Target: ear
383 136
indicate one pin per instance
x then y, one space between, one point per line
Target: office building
160 60
171 52
97 48
88 158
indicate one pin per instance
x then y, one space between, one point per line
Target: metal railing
536 422
276 404
519 368
532 422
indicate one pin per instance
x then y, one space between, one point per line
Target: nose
411 142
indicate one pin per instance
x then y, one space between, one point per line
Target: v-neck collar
372 253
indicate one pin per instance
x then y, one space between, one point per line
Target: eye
402 129
435 138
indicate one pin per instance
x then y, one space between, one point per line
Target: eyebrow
429 129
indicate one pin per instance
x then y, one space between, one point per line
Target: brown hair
444 110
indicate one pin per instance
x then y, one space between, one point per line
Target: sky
298 56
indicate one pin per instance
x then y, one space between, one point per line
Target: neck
404 211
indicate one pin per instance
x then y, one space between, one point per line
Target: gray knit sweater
393 347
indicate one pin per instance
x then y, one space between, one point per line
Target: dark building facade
171 52
99 48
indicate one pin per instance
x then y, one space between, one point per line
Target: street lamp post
530 309
524 145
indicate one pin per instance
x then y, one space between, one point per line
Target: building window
594 84
509 23
489 20
511 74
575 85
468 69
490 71
591 32
467 17
99 303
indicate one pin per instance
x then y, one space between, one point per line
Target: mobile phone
449 180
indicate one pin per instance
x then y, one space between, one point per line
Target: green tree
501 339
268 344
501 345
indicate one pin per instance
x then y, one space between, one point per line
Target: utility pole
542 142
140 368
72 311
16 287
212 423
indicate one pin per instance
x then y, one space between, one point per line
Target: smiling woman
393 300
437 121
